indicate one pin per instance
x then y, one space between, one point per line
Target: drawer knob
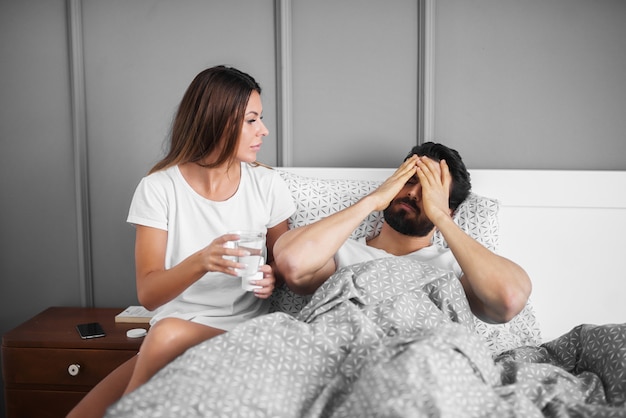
73 369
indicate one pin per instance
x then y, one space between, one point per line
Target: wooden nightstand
48 368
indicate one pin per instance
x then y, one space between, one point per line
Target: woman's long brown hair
209 117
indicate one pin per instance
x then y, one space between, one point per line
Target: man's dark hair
461 183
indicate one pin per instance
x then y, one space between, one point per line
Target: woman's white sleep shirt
165 200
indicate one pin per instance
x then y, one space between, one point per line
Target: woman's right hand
219 256
157 285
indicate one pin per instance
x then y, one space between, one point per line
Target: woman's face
253 130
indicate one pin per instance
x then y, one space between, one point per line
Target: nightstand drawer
41 403
49 366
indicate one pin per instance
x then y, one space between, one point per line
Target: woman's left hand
267 283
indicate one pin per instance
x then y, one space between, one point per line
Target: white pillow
478 216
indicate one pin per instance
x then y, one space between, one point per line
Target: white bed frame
566 228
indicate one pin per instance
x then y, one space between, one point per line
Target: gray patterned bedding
390 337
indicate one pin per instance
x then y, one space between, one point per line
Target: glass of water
254 243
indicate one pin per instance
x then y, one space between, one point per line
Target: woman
205 186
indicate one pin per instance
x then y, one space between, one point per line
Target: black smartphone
90 330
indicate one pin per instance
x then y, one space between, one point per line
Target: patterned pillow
317 198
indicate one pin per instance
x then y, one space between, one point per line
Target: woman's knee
165 331
171 336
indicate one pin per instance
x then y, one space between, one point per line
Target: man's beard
402 221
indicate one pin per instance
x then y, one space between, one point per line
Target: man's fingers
445 174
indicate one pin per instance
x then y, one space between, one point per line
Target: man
418 198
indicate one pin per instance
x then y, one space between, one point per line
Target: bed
394 337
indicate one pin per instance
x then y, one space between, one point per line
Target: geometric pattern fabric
317 198
390 337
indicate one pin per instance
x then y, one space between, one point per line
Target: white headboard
566 228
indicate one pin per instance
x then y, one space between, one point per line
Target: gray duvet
386 338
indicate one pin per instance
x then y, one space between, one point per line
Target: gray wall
516 84
354 82
532 84
38 238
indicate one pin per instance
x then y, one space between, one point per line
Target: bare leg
105 393
167 339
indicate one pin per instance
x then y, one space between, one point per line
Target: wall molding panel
79 139
284 86
426 113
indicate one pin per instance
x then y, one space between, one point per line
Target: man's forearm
501 286
303 254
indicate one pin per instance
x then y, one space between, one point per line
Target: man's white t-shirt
357 251
165 200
